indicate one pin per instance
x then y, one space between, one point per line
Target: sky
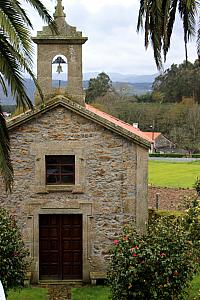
113 44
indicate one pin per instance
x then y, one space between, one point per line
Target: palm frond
198 40
188 11
159 16
141 15
151 12
43 13
14 27
3 85
170 25
11 64
5 161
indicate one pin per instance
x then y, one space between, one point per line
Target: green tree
15 57
14 259
98 87
177 82
158 17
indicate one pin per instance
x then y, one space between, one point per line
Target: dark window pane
53 179
67 179
67 159
52 159
52 170
67 169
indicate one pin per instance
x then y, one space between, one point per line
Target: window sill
74 189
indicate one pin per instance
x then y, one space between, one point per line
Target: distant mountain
128 84
118 77
115 77
30 87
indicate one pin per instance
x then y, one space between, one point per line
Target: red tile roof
120 123
152 135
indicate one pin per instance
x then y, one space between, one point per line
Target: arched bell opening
59 71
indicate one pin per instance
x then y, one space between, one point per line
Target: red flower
134 254
116 242
162 254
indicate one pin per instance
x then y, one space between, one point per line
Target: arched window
59 71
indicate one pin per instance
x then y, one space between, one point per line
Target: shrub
158 265
173 155
191 223
13 255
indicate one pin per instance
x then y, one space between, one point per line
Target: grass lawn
90 293
194 291
28 294
173 174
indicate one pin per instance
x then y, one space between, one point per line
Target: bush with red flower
157 265
13 254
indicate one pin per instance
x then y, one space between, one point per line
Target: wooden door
60 247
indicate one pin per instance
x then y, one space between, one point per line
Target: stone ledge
97 275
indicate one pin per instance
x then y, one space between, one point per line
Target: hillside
127 88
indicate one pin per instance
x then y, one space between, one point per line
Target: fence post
157 201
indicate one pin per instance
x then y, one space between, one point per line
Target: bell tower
66 43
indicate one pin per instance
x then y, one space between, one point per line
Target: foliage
98 87
179 122
8 108
158 17
5 161
15 58
173 174
177 82
144 97
158 265
174 155
13 255
197 186
191 223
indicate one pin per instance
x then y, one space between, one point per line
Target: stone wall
109 188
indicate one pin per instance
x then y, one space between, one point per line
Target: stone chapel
80 174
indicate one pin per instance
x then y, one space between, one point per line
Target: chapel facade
80 174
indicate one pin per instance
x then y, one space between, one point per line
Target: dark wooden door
60 247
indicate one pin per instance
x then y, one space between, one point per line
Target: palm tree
159 17
15 57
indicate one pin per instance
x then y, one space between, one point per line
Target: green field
173 174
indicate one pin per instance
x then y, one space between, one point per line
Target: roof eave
83 112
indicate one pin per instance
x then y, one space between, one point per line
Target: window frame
59 165
40 150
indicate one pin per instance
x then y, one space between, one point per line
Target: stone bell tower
67 42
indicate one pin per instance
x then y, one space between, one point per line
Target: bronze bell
59 60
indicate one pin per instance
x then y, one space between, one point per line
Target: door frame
83 208
60 238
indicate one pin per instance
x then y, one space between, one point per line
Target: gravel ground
59 292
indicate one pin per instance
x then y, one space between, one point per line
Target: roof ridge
113 117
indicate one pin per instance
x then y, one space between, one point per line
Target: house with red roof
80 174
159 143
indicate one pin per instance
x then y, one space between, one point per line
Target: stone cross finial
59 10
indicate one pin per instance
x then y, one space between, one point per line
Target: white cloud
113 44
